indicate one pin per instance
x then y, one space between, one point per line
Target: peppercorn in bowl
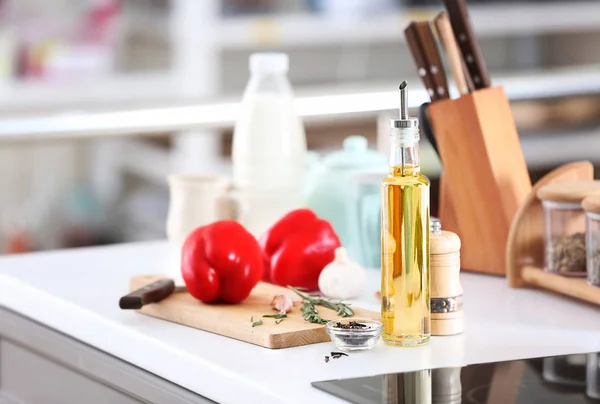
354 334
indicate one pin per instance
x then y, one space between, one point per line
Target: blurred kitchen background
101 99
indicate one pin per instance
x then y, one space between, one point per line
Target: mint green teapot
336 191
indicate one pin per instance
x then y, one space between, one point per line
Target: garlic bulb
342 278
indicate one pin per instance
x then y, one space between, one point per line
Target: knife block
485 176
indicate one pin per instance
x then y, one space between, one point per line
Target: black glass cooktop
552 380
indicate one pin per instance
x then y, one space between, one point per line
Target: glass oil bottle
405 290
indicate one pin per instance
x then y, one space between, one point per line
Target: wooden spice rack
525 244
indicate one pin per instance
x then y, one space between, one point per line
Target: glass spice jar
591 206
564 225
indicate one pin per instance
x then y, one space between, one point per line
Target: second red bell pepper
297 248
221 261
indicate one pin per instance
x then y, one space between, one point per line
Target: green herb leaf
256 323
278 315
310 313
311 300
279 320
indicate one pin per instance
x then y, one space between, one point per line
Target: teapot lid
355 154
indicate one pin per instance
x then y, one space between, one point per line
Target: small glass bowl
354 339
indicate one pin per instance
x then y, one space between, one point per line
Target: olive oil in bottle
405 307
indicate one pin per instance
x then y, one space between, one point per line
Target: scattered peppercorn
335 355
354 333
351 325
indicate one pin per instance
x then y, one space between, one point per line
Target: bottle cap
435 226
269 62
592 204
569 192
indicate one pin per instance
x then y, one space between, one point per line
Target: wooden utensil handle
467 42
432 58
444 29
412 38
468 78
151 293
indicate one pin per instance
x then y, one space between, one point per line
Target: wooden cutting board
235 321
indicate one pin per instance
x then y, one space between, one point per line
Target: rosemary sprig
277 316
311 300
310 313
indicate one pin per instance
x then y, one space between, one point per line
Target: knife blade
467 42
433 59
151 293
444 29
426 129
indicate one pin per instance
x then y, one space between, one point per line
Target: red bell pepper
297 248
221 261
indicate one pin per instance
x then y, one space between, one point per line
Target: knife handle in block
467 42
433 59
151 293
444 29
414 45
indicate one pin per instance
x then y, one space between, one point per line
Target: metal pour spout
403 101
404 121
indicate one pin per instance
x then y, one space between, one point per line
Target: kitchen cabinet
40 365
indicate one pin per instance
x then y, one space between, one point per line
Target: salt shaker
591 206
446 290
564 225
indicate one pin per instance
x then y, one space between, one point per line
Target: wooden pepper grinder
446 290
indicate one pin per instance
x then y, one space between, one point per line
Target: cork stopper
591 204
568 191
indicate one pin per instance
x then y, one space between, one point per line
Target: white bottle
269 146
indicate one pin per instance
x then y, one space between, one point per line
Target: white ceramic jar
194 201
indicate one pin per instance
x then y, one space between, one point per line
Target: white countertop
77 291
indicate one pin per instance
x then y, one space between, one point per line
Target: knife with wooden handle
468 79
433 59
414 44
467 42
151 293
444 29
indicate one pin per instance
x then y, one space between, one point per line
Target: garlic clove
342 278
282 303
